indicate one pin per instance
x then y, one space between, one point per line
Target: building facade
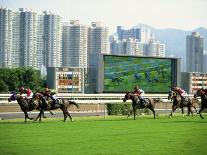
28 38
98 38
194 52
192 81
154 48
52 39
75 40
9 38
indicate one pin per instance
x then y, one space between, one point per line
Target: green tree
12 79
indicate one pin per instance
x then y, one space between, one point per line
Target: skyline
188 15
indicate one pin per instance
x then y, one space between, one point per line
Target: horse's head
198 93
127 96
171 95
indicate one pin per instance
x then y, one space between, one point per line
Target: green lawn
110 136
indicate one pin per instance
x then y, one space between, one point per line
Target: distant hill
175 39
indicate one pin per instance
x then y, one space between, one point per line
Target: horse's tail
74 103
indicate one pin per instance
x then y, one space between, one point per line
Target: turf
109 136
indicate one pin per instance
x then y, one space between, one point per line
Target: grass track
110 136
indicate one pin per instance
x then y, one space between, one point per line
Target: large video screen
123 73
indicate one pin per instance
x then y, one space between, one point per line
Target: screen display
123 73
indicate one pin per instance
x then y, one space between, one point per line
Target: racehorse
136 103
25 105
179 102
201 93
63 105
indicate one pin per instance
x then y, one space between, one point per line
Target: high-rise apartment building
194 52
128 46
28 38
6 35
98 39
75 40
142 34
52 39
154 48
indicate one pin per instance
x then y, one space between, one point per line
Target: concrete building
75 41
154 48
142 34
28 38
128 46
192 81
194 52
98 38
9 38
52 39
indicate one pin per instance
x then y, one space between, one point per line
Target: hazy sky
181 14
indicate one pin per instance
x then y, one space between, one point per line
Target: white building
75 41
9 38
52 39
194 52
154 48
98 39
28 38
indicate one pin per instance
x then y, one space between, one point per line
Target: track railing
96 98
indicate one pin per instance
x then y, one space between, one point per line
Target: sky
179 14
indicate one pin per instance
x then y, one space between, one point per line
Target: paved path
57 114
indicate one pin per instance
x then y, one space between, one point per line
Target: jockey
179 91
21 90
50 95
138 92
29 93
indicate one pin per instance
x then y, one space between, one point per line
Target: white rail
96 98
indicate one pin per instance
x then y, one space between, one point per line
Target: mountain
175 39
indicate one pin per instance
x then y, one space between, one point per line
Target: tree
12 79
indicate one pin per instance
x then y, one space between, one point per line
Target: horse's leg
51 112
69 115
190 110
183 111
134 111
65 115
195 109
200 112
43 115
38 116
152 109
25 116
173 109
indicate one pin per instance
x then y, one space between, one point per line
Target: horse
201 93
179 102
136 103
24 104
63 105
